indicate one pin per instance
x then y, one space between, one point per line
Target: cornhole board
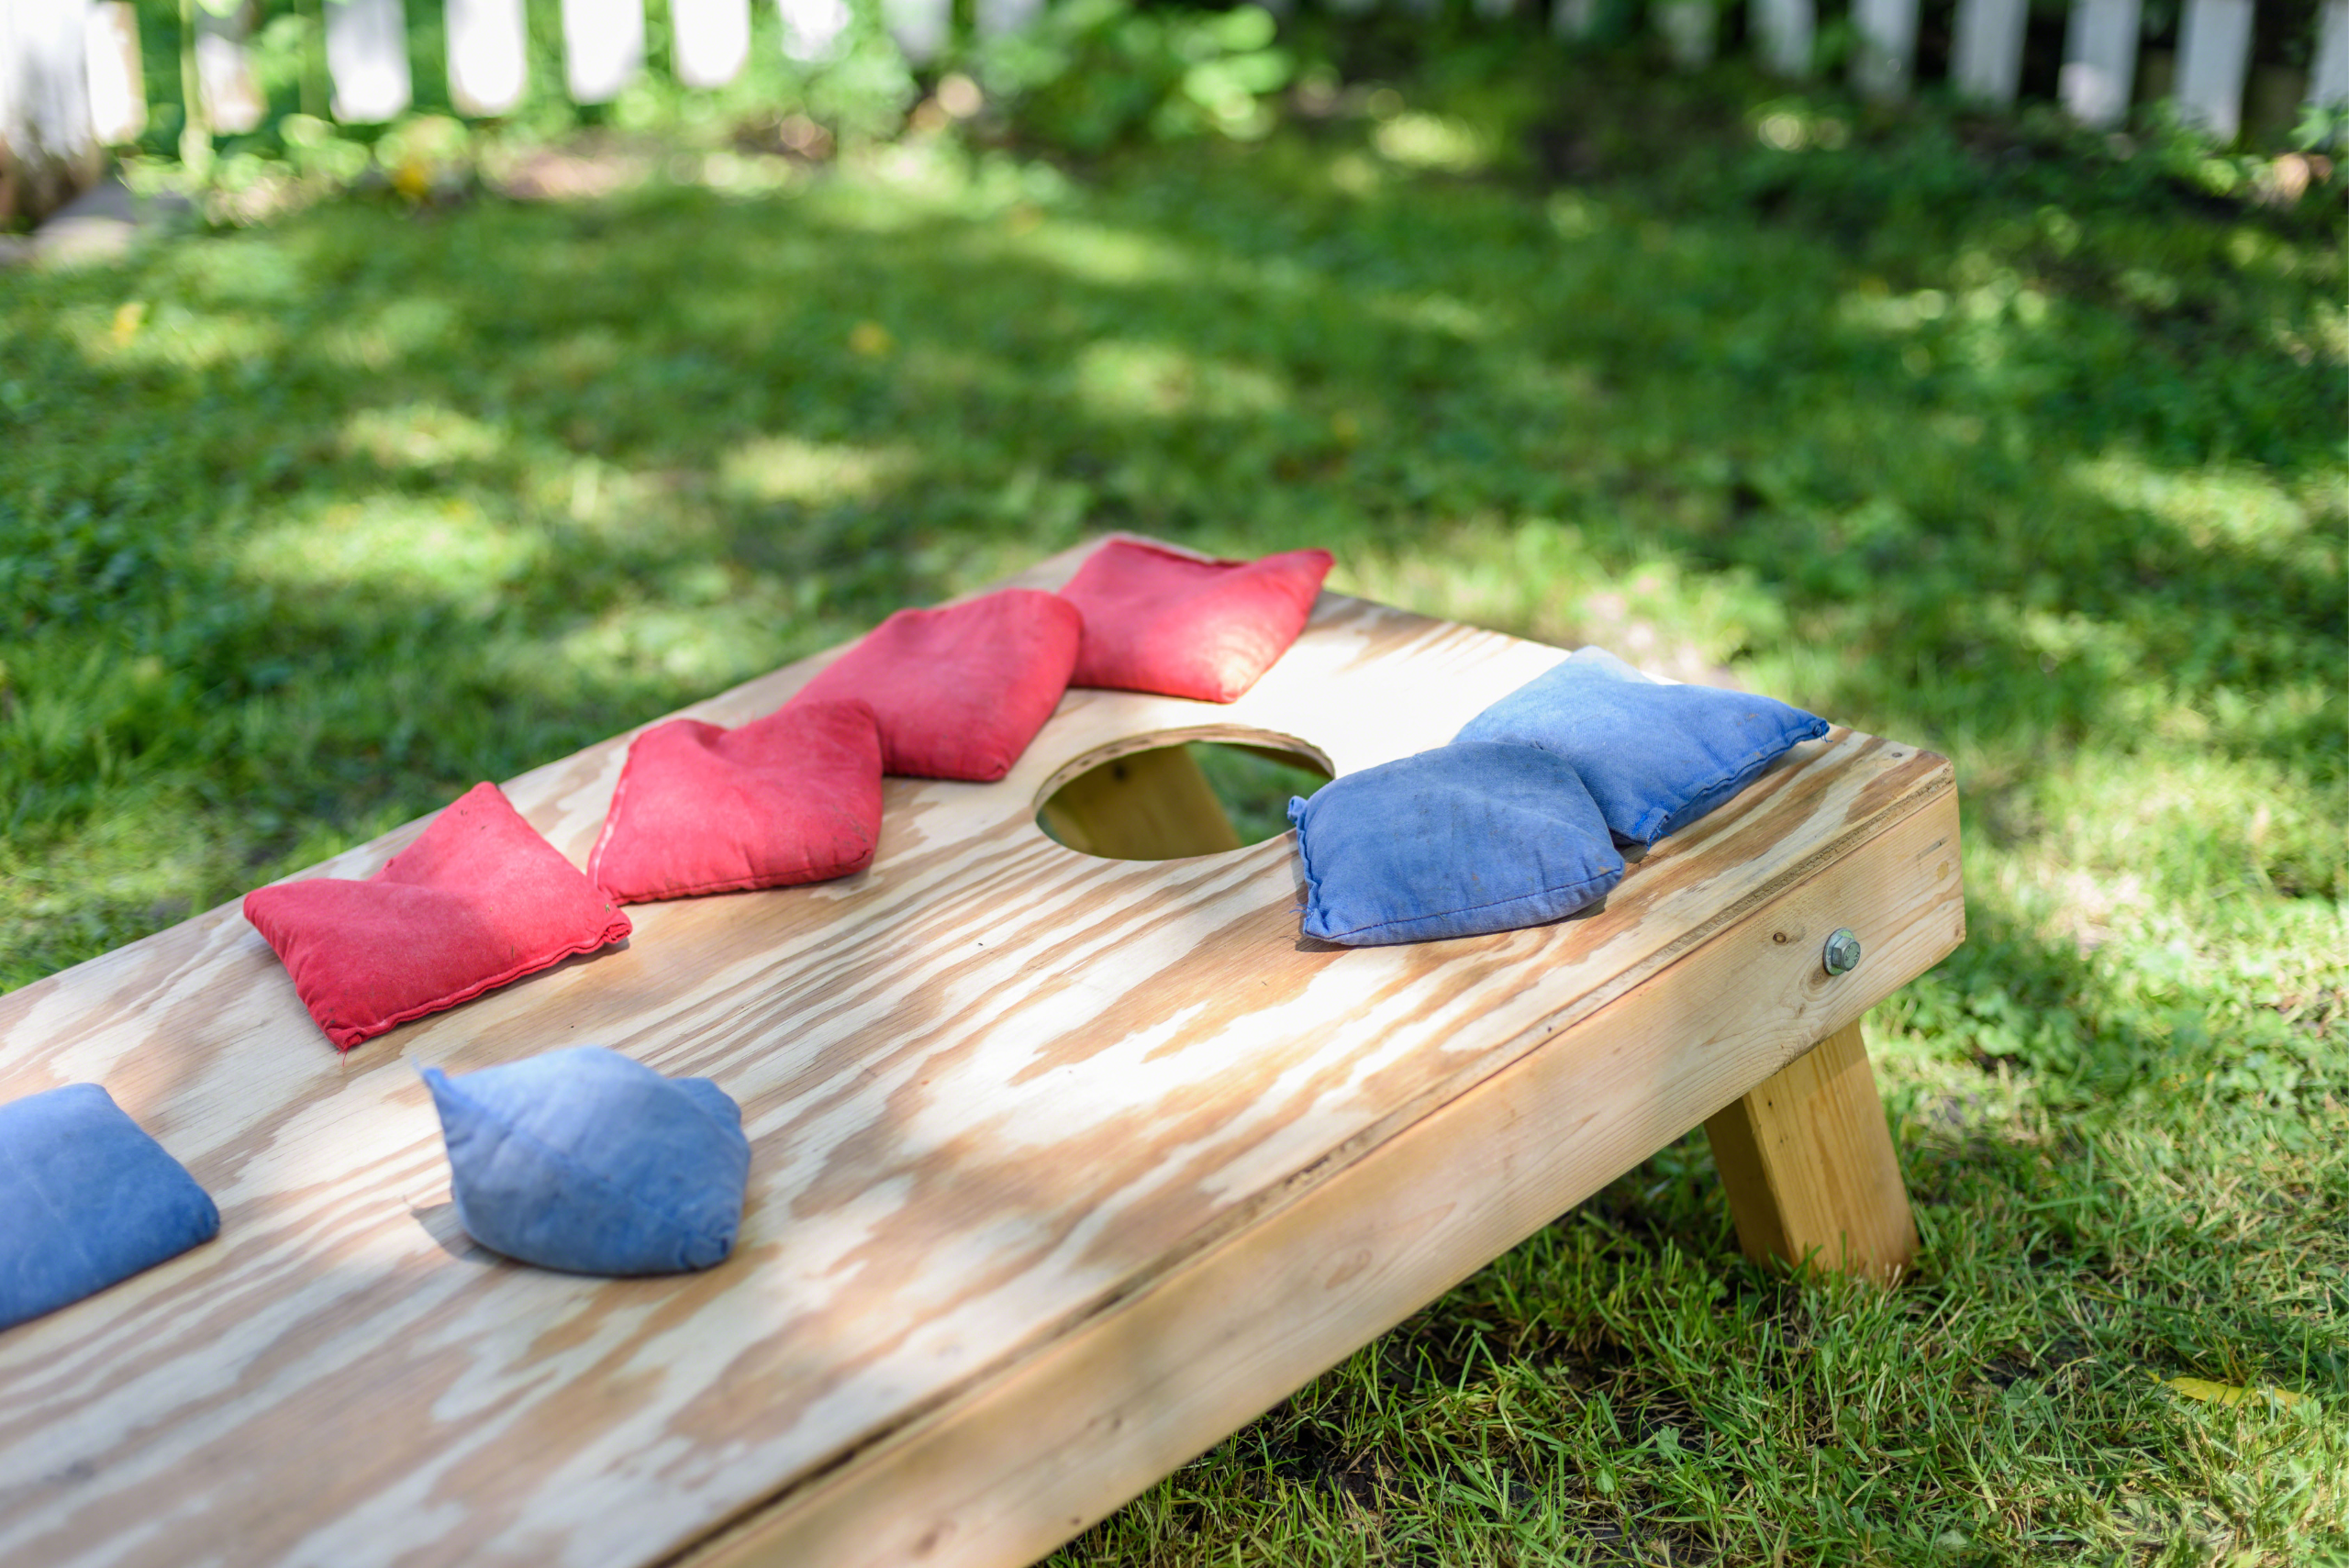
1064 1166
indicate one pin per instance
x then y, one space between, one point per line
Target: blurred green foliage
1093 75
1970 431
1081 77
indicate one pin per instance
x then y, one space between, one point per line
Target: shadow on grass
329 522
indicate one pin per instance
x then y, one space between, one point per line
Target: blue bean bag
86 1200
585 1160
1655 757
1455 842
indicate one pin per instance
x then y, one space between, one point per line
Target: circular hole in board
1168 796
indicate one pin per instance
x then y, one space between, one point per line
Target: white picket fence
69 68
2102 41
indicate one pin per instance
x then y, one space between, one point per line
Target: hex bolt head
1842 954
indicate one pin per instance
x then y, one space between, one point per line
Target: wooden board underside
992 1084
1022 1463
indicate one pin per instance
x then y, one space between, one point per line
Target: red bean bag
1159 621
962 689
479 899
792 797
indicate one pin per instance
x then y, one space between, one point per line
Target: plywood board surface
991 1085
1023 1460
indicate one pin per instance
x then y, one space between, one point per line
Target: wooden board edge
1016 1463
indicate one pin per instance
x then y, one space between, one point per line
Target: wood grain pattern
994 1088
1023 1462
1809 1167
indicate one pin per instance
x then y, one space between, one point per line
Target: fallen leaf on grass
412 179
2222 1393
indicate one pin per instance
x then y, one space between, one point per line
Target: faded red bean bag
1156 620
792 797
960 690
479 899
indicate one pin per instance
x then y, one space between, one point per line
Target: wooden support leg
1808 1166
1145 805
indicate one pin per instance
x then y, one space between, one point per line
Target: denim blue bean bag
1655 757
585 1160
86 1200
1455 842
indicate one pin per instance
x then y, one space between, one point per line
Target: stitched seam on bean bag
359 1033
612 820
1305 858
737 884
754 883
1567 889
1737 776
1650 824
1644 831
1152 548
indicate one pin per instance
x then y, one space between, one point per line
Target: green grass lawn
2013 445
